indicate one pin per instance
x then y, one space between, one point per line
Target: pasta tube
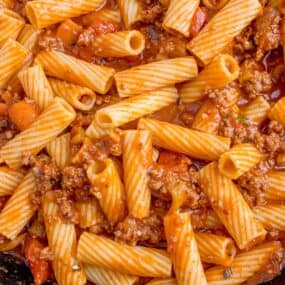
89 213
133 260
130 11
9 180
223 27
6 3
215 249
77 71
245 265
280 159
271 216
276 187
155 75
11 24
81 98
96 132
277 112
66 275
59 150
119 44
28 37
43 13
238 160
213 221
179 139
46 127
183 249
220 72
19 209
231 208
36 85
102 276
108 188
256 110
61 235
179 15
137 159
12 55
135 107
103 15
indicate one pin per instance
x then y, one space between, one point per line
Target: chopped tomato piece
40 268
172 161
3 109
68 32
102 28
198 21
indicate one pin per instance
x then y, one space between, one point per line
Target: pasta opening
85 99
227 166
98 167
136 42
230 66
104 120
231 250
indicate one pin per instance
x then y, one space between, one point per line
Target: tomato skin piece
40 268
102 28
199 19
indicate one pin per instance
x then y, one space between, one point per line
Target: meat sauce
262 56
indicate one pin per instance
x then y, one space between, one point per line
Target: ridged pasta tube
179 139
231 208
43 13
183 249
77 71
36 85
245 265
119 44
102 276
134 260
59 150
11 24
81 98
12 56
9 180
179 15
220 72
135 107
137 159
238 160
223 27
19 209
130 11
155 75
109 189
51 122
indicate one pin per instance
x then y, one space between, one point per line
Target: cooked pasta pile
143 141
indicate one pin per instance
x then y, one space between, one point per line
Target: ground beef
266 29
244 42
86 37
47 41
7 130
133 230
47 175
268 144
253 79
151 12
254 182
176 169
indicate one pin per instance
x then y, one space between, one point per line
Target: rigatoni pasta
238 160
231 208
183 249
108 188
133 108
12 55
220 72
276 185
43 13
66 67
179 139
226 24
47 126
9 180
19 209
179 15
137 159
36 85
130 11
277 111
138 260
119 44
81 98
155 75
102 276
